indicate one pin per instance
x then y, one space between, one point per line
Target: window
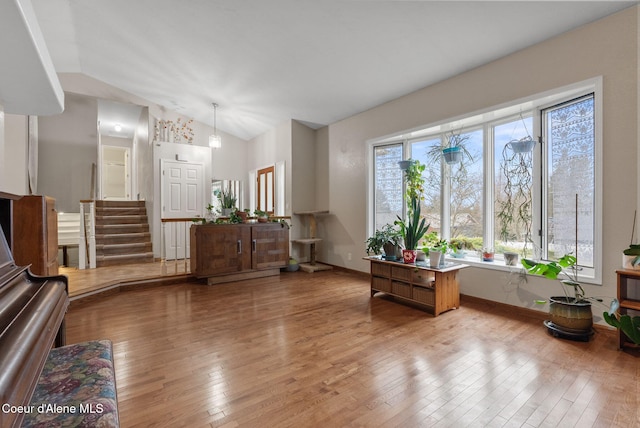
388 184
541 202
569 130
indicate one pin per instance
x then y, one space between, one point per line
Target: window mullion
489 186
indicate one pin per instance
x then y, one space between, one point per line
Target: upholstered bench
77 388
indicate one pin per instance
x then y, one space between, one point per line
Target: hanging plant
516 198
453 150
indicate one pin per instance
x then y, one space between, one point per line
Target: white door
116 176
182 191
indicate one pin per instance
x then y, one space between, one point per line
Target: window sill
500 266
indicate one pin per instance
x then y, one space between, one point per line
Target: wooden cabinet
35 234
436 289
232 252
629 298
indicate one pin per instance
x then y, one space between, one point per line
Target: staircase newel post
82 244
92 235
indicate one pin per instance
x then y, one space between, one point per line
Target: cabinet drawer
426 296
401 273
380 269
381 284
401 289
423 277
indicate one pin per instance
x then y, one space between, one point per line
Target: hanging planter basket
405 164
524 145
452 155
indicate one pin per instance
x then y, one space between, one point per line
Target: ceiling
267 61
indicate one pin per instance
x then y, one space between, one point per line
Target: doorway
116 173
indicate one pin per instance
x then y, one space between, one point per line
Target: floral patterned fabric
77 388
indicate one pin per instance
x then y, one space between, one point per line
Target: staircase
122 233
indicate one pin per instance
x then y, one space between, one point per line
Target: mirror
231 187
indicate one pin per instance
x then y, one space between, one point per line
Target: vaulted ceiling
267 61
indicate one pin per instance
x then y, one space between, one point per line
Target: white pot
435 258
627 262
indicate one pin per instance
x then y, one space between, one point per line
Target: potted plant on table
262 216
227 202
387 239
437 253
570 314
412 230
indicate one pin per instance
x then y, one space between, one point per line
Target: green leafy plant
629 325
413 229
414 182
381 236
227 200
566 266
260 213
452 140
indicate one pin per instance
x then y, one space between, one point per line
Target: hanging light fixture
214 139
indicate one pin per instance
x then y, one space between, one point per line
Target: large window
569 130
529 182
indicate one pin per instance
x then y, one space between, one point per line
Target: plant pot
521 146
629 262
487 256
510 258
409 256
262 219
392 252
452 155
226 212
435 258
404 164
565 312
243 215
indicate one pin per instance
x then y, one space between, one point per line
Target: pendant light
214 139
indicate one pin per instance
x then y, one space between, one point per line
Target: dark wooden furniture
629 298
233 252
35 234
32 313
436 289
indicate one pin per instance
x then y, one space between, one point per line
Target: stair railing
87 244
172 229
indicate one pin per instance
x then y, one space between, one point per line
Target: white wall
67 149
16 144
607 48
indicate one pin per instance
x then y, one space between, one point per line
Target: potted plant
437 253
454 150
227 202
387 238
570 314
412 230
523 145
244 214
263 216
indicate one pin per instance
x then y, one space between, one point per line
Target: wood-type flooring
315 350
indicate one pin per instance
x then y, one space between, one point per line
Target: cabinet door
221 249
269 246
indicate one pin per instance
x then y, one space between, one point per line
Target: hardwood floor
315 350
